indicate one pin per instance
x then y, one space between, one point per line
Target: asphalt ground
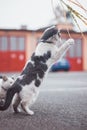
61 105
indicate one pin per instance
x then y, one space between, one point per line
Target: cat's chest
30 89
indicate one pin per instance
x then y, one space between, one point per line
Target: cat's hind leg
15 103
25 107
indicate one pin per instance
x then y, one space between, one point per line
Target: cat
5 83
27 84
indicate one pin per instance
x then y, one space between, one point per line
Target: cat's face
51 36
7 82
56 39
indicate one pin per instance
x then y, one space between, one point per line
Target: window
17 43
65 54
21 45
72 51
78 43
76 49
13 43
3 43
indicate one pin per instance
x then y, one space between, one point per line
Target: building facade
16 47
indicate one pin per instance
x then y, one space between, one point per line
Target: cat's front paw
71 41
30 112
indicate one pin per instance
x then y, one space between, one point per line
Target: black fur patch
27 69
49 33
43 58
37 82
34 69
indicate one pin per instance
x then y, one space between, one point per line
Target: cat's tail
9 96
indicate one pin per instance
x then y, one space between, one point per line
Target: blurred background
62 103
22 23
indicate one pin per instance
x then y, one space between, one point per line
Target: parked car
62 64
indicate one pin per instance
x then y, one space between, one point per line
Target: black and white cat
28 83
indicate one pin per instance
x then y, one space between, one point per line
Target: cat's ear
5 78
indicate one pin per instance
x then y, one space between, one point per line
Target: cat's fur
28 83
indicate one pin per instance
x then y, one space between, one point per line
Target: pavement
61 105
